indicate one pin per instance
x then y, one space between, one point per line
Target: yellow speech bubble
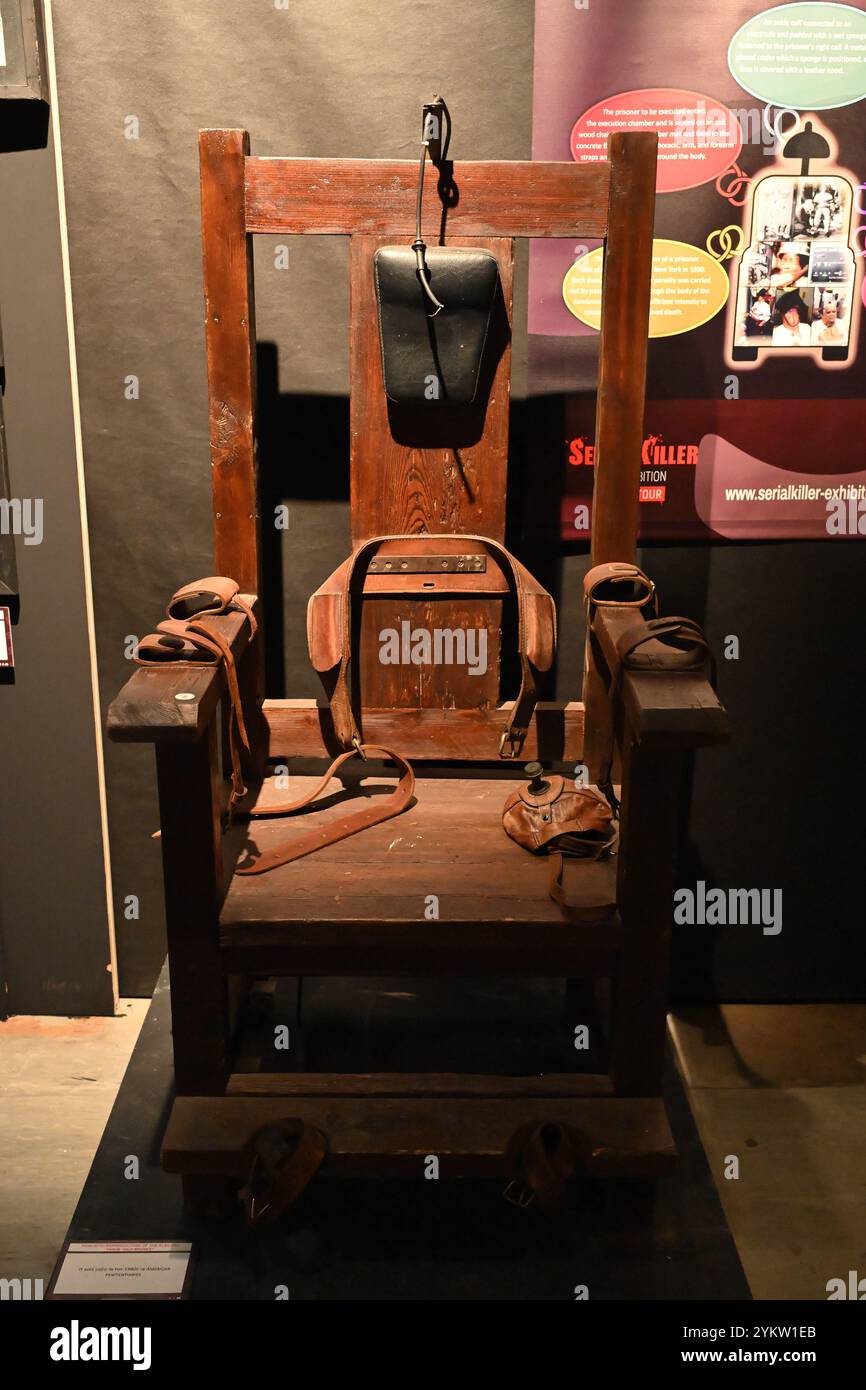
688 287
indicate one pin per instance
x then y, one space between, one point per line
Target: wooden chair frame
656 720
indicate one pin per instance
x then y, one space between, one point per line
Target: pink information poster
755 419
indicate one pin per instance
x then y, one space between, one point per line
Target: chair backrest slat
623 348
340 197
230 338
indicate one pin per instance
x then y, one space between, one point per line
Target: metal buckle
522 1196
514 738
356 744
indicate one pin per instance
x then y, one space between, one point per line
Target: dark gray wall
348 79
53 912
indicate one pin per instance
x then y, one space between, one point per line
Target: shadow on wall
303 443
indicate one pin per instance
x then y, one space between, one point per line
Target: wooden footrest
387 1136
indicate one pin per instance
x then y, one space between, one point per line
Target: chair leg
189 802
651 786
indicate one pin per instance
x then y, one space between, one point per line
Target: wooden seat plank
368 899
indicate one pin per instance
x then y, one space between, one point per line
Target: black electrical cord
418 245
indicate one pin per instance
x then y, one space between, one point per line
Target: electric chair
360 905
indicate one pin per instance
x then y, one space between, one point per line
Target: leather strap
345 724
185 638
544 1157
570 911
619 584
285 1156
662 660
214 594
344 826
669 660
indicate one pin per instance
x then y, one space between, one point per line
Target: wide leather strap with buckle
639 647
283 1157
329 625
214 594
618 584
543 1157
376 811
665 646
185 638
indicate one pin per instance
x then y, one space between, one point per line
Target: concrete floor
58 1080
782 1088
779 1088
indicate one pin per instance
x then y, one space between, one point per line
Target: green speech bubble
805 56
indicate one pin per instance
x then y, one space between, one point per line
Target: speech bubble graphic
698 136
688 288
808 56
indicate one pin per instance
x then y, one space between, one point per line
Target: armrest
680 710
147 709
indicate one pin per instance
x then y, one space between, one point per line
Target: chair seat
439 889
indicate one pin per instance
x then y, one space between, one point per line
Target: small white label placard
123 1269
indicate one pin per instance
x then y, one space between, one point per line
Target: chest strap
329 629
378 809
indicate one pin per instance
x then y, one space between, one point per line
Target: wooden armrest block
674 711
665 711
148 710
